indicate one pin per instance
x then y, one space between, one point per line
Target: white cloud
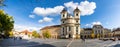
87 24
45 19
93 23
32 16
20 28
86 8
47 11
97 23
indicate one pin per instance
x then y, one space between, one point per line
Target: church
70 25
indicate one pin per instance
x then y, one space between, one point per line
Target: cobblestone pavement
58 43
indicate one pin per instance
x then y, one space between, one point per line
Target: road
58 43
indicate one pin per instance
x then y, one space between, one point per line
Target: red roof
26 31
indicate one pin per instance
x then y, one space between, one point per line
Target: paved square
58 43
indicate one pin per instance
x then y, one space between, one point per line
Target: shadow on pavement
22 43
117 45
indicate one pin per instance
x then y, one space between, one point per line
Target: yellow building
116 32
97 31
53 30
86 33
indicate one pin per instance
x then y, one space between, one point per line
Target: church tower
63 27
77 21
64 13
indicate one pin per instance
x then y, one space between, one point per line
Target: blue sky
36 14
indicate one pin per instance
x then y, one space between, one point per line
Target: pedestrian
83 39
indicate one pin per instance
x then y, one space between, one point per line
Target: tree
11 34
93 35
98 35
46 34
35 34
6 23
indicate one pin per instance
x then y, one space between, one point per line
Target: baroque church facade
70 25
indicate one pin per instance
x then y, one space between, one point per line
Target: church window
77 14
76 30
63 30
63 21
76 21
69 28
63 15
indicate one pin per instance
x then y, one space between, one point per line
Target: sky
36 14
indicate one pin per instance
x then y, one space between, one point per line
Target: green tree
11 34
35 34
46 34
6 23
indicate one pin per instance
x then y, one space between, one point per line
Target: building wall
53 30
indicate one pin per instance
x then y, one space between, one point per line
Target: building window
99 31
63 21
76 30
77 14
63 15
95 32
69 28
76 21
63 30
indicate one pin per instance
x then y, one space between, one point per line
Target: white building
98 31
24 34
70 25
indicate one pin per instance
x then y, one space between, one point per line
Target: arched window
63 21
76 21
63 15
63 30
76 30
69 28
77 14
